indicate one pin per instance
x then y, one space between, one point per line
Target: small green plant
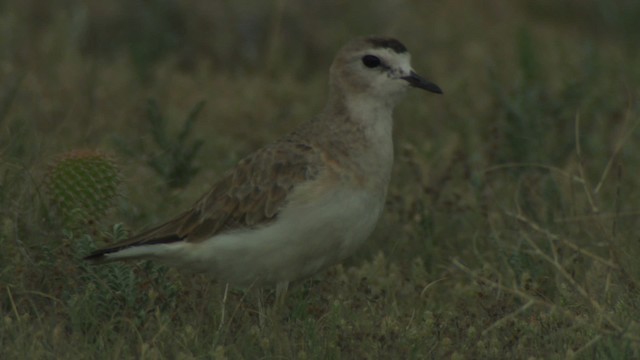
175 162
117 290
82 186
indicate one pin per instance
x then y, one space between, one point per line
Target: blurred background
510 229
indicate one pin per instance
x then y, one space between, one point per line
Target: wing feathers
250 195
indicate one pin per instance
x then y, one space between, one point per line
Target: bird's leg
281 292
278 303
262 316
224 304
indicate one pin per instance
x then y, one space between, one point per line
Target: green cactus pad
83 185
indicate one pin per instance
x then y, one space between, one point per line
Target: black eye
370 61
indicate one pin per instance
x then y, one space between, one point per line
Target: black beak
418 81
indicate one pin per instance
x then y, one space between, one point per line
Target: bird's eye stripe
370 61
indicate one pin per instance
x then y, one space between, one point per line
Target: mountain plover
304 202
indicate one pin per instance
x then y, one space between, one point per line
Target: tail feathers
105 255
129 249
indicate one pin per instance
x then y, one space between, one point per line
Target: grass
510 229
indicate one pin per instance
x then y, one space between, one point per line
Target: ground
511 224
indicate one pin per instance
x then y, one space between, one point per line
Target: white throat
376 121
376 118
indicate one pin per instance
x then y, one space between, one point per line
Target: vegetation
82 186
175 162
511 226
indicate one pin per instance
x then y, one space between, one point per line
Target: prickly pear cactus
82 185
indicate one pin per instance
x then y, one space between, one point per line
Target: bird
304 202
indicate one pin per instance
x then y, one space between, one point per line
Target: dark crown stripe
392 44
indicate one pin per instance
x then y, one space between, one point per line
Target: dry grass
511 224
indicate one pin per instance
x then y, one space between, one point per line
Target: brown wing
249 195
